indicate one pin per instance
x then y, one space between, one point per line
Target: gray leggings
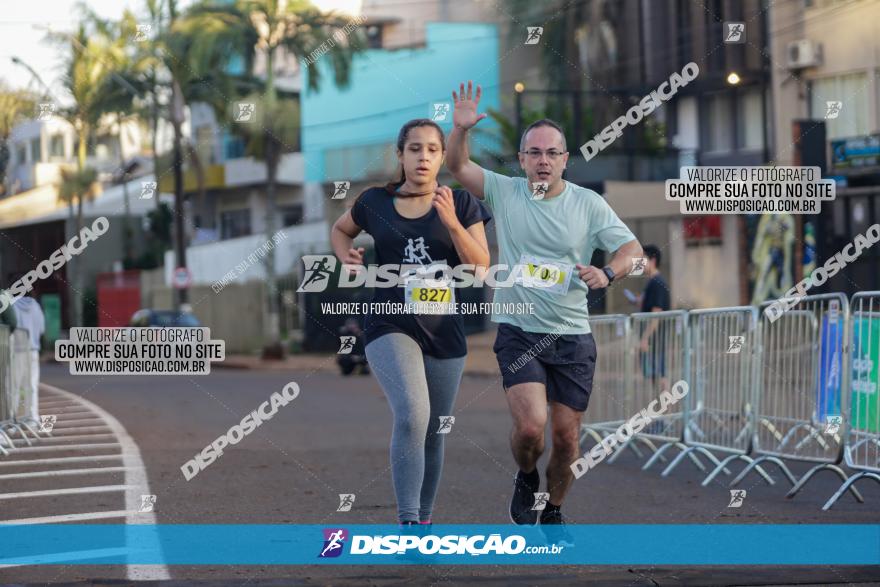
420 389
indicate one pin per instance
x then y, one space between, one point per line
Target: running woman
550 228
418 358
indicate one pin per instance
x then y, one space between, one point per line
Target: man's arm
458 158
458 161
621 264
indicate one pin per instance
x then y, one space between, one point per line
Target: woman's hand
354 260
445 206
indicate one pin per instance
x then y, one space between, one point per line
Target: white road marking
80 447
68 491
63 472
67 423
58 440
65 432
136 479
59 460
67 518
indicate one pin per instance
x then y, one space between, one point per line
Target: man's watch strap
609 273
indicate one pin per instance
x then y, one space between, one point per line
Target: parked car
163 318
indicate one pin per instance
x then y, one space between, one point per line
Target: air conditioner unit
803 53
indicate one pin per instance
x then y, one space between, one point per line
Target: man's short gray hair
542 122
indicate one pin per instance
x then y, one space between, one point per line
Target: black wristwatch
609 273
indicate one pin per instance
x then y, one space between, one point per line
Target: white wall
210 262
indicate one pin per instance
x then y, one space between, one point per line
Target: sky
19 36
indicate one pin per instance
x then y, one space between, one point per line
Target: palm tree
88 67
196 60
272 28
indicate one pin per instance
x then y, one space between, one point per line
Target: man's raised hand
465 115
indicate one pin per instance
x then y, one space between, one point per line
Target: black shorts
564 364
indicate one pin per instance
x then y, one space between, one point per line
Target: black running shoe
553 527
524 488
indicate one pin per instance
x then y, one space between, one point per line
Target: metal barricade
802 358
722 379
657 345
6 413
609 405
862 447
16 391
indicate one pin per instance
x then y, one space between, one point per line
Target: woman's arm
342 238
470 243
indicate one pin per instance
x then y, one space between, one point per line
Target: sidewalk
480 359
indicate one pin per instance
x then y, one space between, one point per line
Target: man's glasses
552 154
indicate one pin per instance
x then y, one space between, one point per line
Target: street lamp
518 88
733 78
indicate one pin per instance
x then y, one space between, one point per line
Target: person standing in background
29 316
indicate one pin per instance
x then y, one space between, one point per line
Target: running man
554 236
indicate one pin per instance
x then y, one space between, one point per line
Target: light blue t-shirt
564 229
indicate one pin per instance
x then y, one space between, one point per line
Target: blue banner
472 544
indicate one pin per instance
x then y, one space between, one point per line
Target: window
849 118
36 154
56 147
720 129
374 37
21 154
750 120
235 223
291 215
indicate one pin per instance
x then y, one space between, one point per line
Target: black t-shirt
420 241
656 294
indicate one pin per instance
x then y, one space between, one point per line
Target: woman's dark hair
404 134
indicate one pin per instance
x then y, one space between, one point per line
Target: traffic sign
181 278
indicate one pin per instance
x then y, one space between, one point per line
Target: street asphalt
333 439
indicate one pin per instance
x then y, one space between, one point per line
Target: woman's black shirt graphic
414 241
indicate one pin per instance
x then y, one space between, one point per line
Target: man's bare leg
565 424
528 408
